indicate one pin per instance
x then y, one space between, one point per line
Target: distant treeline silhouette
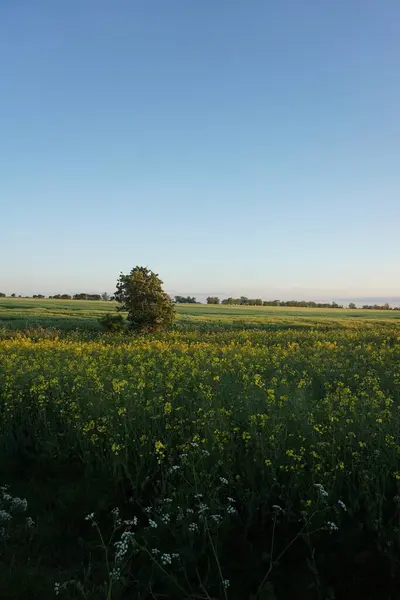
242 301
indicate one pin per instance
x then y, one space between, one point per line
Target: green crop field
248 454
20 313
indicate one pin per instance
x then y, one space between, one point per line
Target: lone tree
141 295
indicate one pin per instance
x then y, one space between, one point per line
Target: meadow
250 453
70 315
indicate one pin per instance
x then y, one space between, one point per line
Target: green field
249 453
19 313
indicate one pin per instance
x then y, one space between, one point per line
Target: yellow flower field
278 415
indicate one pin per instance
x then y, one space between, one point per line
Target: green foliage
212 300
112 322
141 295
185 300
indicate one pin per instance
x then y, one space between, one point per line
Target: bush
112 322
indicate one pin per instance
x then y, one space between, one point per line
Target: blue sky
233 147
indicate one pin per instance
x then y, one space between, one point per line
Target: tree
185 300
105 297
352 305
141 295
13 295
212 300
2 295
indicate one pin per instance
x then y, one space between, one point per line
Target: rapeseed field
228 464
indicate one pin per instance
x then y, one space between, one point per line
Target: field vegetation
248 453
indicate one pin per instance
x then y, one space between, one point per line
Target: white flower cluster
216 518
122 545
29 522
5 516
331 526
152 524
89 517
19 503
321 490
115 574
166 559
8 506
203 508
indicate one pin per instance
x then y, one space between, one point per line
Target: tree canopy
141 295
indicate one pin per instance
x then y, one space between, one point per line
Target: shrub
112 322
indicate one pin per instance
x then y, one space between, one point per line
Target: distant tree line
244 301
213 300
106 297
379 307
185 300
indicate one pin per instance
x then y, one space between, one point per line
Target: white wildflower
115 573
89 517
19 503
216 518
29 522
202 508
166 559
331 526
226 583
122 545
321 490
152 524
223 480
193 527
342 505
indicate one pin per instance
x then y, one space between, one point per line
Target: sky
233 147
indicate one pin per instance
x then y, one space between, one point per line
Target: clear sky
233 147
